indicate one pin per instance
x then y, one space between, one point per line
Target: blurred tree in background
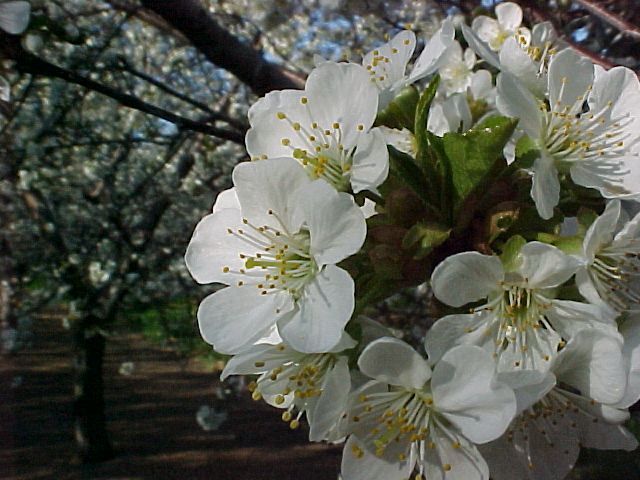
126 118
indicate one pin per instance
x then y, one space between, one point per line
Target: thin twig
610 18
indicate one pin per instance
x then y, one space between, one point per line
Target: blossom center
591 138
616 276
320 149
281 261
400 421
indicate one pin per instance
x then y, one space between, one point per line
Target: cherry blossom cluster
503 171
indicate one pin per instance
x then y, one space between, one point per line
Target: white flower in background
456 69
14 17
611 270
521 323
526 57
317 384
450 115
126 368
276 249
412 417
98 273
326 127
495 32
209 418
597 148
5 89
580 406
387 64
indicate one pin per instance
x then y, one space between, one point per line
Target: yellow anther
294 424
286 416
279 400
304 100
446 467
285 142
281 115
357 451
259 364
256 395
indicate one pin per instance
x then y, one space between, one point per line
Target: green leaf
510 252
405 168
401 111
426 237
422 115
475 157
526 152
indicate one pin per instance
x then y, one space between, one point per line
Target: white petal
479 44
14 17
332 402
226 199
323 311
267 185
212 249
602 229
587 289
337 227
570 77
605 436
235 317
545 266
529 386
268 129
429 59
370 162
392 361
568 318
482 85
466 392
516 61
466 277
342 93
531 454
630 331
244 363
621 87
545 189
455 330
367 466
515 101
486 28
465 460
592 362
509 16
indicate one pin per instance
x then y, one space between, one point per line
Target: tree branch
125 67
26 62
220 47
610 18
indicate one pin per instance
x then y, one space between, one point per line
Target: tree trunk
88 404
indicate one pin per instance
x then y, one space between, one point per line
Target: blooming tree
504 174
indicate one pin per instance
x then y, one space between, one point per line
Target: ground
151 418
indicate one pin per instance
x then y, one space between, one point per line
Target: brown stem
26 62
610 18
